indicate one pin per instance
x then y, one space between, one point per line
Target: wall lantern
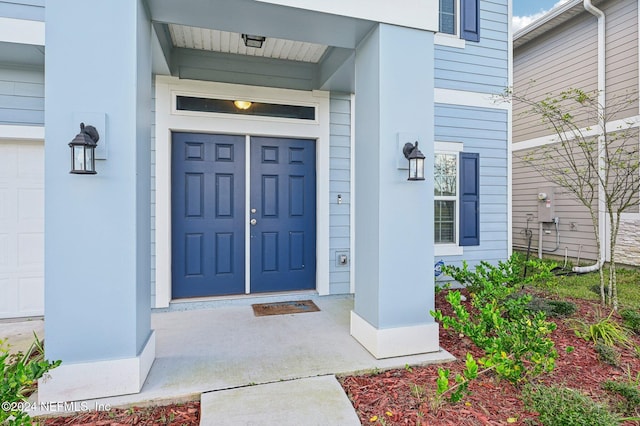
253 40
83 146
416 161
243 105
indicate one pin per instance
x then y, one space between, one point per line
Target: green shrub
562 308
508 273
20 372
607 354
560 406
552 308
514 340
629 391
631 319
605 329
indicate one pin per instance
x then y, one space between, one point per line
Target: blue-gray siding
23 9
479 67
153 193
340 184
482 131
21 96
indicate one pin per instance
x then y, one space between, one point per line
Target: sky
527 11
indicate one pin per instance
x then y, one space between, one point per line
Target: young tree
597 165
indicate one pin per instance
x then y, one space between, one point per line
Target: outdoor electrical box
546 205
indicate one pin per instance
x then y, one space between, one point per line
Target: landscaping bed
404 396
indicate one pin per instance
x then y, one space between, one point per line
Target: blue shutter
469 199
470 19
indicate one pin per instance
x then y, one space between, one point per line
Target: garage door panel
4 206
30 203
31 296
30 160
21 229
30 253
7 304
4 252
8 160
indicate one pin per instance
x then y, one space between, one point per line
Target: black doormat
281 308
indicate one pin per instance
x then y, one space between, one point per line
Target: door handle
253 221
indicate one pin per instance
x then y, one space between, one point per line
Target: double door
237 232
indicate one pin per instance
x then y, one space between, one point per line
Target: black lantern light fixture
83 146
253 40
416 161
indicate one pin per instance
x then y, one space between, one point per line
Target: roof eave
550 20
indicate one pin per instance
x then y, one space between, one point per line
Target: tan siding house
561 50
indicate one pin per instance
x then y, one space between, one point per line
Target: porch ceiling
231 42
304 49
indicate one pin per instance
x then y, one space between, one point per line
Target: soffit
231 42
554 18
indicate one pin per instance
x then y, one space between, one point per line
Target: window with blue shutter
469 199
470 20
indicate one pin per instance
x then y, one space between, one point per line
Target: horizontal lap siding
340 184
562 58
152 147
575 225
479 67
622 53
21 96
32 10
559 59
482 131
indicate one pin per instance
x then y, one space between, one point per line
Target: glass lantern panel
78 158
90 164
419 168
413 168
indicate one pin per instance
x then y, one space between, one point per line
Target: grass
587 286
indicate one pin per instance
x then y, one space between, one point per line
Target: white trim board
99 379
168 120
471 99
21 31
624 123
397 341
13 132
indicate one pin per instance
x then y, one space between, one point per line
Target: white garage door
21 229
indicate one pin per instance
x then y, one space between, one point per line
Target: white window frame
451 40
451 249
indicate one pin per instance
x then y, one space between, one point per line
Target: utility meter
546 205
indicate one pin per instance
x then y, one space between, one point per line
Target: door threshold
213 302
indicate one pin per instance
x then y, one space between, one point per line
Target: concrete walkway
260 370
314 401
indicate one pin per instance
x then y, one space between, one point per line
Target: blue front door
209 215
283 214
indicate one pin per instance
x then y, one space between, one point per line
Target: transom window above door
244 107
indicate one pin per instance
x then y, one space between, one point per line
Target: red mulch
388 395
176 414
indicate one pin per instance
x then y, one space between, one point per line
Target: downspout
602 218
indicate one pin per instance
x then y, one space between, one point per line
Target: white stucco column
394 217
97 249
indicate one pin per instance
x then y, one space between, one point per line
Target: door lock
253 222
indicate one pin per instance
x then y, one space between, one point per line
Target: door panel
208 211
283 196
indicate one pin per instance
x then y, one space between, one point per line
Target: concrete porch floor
225 347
